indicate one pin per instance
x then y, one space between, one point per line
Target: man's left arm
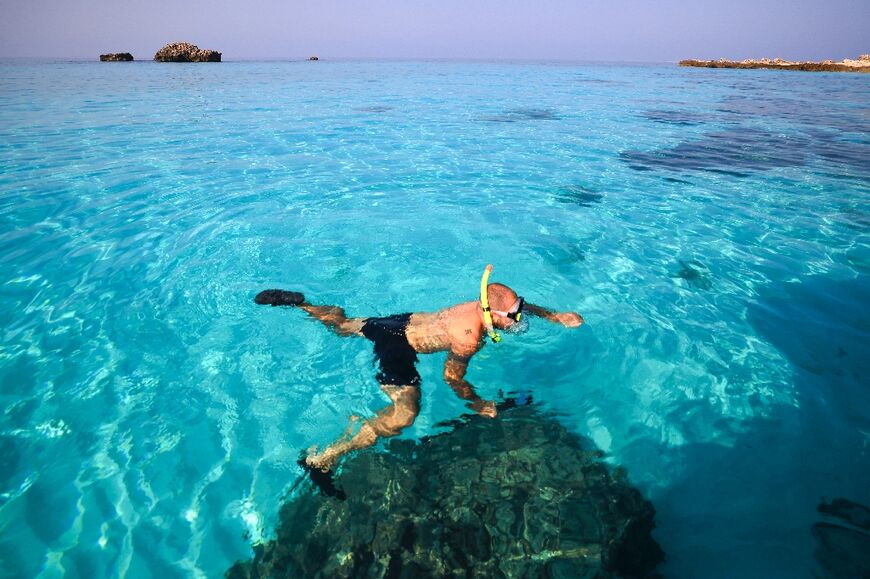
567 319
454 374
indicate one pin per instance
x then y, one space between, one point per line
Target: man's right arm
567 319
454 374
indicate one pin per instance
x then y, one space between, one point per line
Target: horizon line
96 58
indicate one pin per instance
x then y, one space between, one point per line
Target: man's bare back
460 330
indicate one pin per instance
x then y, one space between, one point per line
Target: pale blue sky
617 30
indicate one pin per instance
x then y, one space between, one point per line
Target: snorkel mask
521 322
515 313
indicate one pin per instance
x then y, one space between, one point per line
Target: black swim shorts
393 353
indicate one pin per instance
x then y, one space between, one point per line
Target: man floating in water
459 330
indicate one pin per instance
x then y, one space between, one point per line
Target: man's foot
277 297
324 480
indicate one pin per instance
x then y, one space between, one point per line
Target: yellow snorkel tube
484 303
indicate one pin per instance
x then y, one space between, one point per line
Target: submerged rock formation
186 52
116 57
518 496
862 64
843 539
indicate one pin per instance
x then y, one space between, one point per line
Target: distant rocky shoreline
861 64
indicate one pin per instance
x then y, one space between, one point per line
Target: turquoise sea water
713 227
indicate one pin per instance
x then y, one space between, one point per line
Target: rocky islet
186 52
116 57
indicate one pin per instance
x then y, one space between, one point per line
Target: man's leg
389 421
334 318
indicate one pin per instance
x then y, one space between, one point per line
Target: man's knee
406 418
395 423
348 327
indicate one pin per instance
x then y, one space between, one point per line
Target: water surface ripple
711 225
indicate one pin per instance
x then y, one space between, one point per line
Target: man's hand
568 319
484 407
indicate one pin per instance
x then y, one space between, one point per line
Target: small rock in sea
186 52
578 194
313 58
695 273
116 57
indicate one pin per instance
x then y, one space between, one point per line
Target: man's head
494 296
505 305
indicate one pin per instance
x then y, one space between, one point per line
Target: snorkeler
460 330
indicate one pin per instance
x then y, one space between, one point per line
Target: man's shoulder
464 339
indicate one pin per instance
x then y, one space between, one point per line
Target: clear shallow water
711 225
